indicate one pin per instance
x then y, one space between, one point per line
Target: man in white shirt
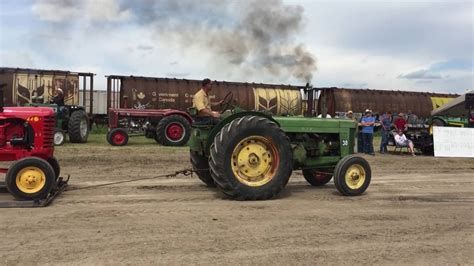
402 141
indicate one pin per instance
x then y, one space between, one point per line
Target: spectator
367 122
401 140
327 116
350 115
400 123
412 119
385 126
358 147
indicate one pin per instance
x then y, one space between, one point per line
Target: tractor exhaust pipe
309 100
2 103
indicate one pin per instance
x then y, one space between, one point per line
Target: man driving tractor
203 105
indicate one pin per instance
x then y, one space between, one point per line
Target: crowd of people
388 125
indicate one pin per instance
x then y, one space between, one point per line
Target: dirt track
416 210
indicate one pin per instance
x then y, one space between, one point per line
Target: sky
390 45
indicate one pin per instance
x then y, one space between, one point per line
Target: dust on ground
416 210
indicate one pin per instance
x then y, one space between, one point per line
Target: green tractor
250 155
71 120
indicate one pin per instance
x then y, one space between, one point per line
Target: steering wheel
227 101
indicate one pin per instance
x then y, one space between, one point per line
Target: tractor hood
310 124
25 111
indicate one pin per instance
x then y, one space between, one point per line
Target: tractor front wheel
30 178
251 159
317 177
201 167
173 130
117 137
59 137
352 175
78 127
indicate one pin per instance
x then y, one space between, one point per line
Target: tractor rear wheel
173 130
117 137
316 177
352 175
55 165
59 137
30 178
201 167
438 122
251 159
78 127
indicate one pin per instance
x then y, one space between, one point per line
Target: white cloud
89 10
369 44
420 74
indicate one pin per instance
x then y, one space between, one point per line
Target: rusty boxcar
24 84
164 93
158 93
419 103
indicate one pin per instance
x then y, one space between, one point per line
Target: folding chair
397 147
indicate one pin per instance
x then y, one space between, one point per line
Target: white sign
453 142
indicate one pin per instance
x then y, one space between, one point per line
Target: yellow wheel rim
254 161
355 176
30 180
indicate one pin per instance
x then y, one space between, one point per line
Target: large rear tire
251 159
352 175
173 130
201 167
30 178
78 127
55 165
317 177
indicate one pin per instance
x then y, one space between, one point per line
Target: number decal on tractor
345 142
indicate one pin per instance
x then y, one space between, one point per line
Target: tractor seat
199 121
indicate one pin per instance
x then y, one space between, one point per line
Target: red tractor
168 127
26 137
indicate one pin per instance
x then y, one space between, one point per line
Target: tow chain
185 172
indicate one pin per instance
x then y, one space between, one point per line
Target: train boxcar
38 87
419 103
26 86
164 93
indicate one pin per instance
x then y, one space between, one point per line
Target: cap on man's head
59 90
368 111
349 112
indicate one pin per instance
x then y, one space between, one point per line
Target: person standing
358 146
401 123
203 105
367 122
385 125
